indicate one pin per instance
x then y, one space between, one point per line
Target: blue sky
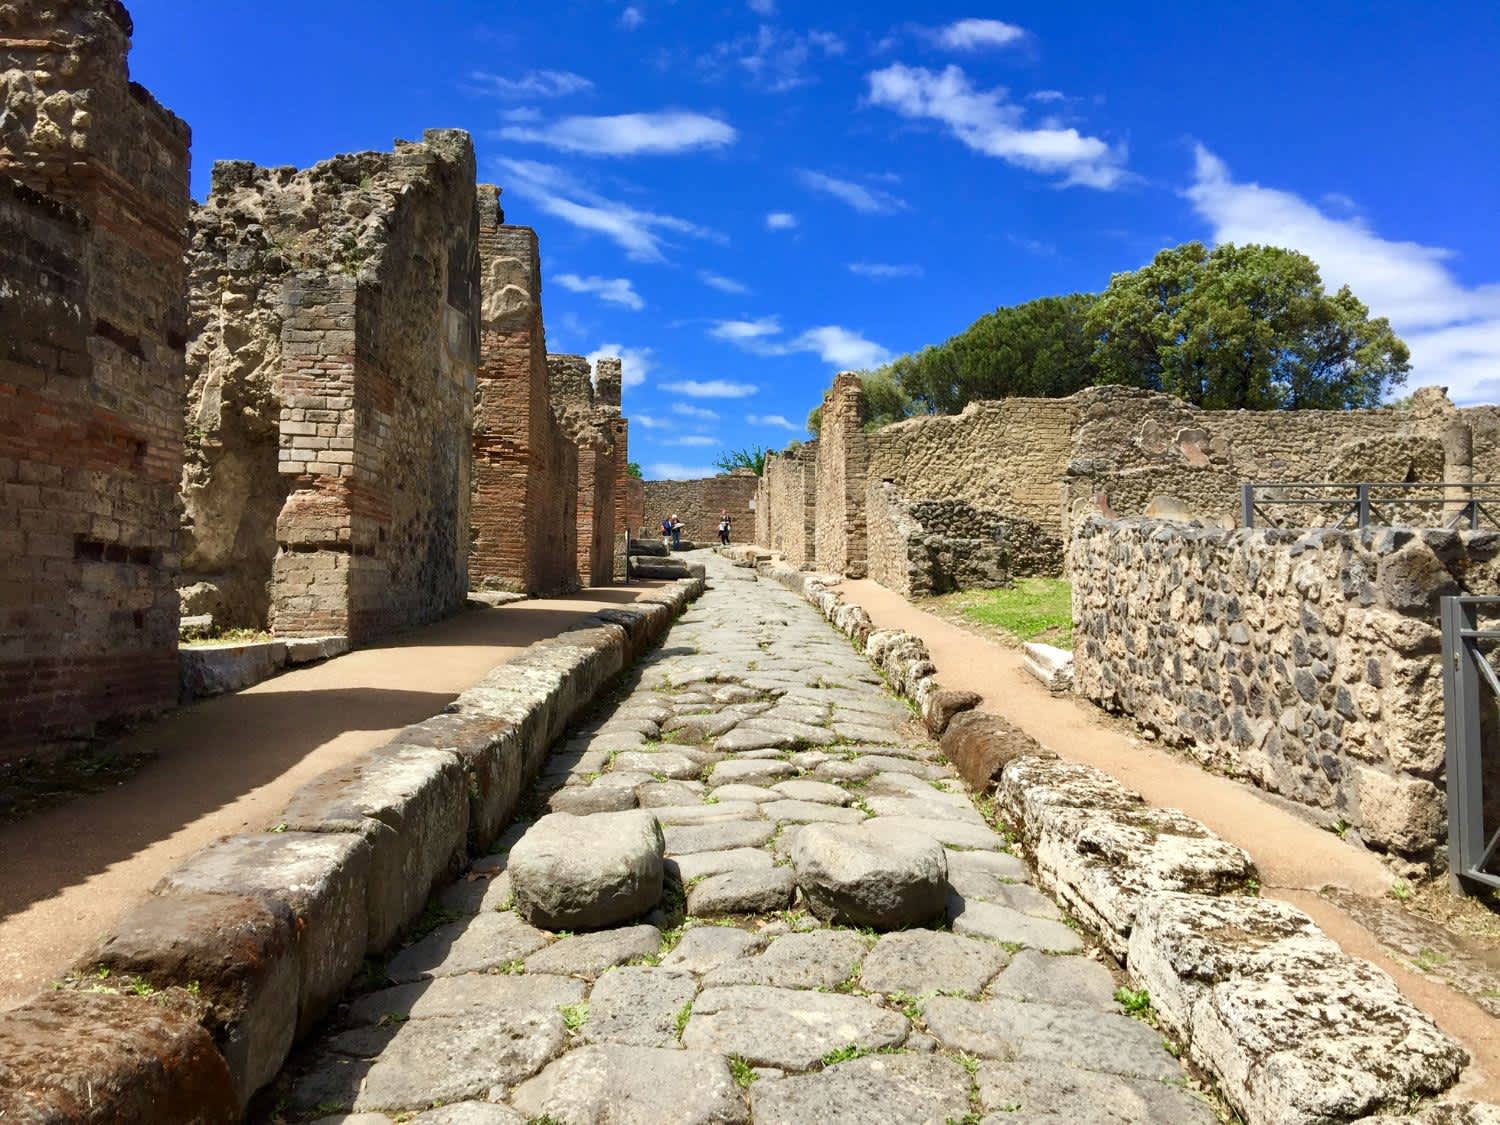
743 197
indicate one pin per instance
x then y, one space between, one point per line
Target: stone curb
1293 1029
213 669
265 930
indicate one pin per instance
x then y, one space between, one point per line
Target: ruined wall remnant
698 504
588 415
1305 662
786 505
924 547
334 342
524 535
842 478
93 202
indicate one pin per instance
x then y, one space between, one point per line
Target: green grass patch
1034 609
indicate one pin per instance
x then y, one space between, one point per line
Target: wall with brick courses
924 547
786 505
1304 662
842 479
698 504
635 506
590 417
93 201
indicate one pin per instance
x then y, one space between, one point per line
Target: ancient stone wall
842 478
698 504
93 202
524 515
589 416
334 342
1304 662
924 547
786 510
635 506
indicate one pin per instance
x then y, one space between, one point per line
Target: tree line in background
1236 327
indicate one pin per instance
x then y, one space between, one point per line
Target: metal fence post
1461 698
1362 494
1247 505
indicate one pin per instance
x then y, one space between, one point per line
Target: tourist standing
666 533
724 527
676 532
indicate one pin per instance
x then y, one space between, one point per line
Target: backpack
666 527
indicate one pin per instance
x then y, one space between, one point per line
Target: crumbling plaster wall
93 203
1304 662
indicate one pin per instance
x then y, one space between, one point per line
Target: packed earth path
842 935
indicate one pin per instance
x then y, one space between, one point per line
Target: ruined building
93 204
334 340
524 534
589 414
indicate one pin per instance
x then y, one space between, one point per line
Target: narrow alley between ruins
842 935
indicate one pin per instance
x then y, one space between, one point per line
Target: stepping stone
669 764
920 962
685 839
486 941
1000 923
460 1113
750 771
638 1006
738 792
910 1089
788 1028
601 1084
588 955
821 959
582 873
1065 1093
1067 982
585 800
870 874
703 864
742 892
707 947
469 995
949 833
665 794
823 792
705 813
1050 1036
810 812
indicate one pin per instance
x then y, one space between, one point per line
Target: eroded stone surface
600 1084
572 872
788 1028
871 875
922 1090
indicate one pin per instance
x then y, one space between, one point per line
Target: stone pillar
1458 467
590 423
843 466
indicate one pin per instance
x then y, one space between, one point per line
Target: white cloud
1047 96
632 18
723 284
628 134
647 421
977 35
1453 331
687 410
710 388
988 123
780 220
535 84
872 201
616 290
840 347
774 59
700 440
638 233
743 331
777 420
670 470
882 271
635 363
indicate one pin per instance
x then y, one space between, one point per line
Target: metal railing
1449 504
1470 689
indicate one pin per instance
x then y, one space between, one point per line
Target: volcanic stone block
582 873
870 875
980 744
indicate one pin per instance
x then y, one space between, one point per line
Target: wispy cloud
628 134
710 388
987 122
780 220
774 59
648 421
777 420
762 7
1032 245
872 201
639 233
1453 330
632 18
671 470
834 344
723 284
977 35
533 84
884 271
700 440
688 410
744 331
615 290
635 363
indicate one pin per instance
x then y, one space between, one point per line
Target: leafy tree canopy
633 469
752 458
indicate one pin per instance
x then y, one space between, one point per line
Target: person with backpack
666 532
724 527
676 532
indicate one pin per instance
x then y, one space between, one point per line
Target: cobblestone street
803 813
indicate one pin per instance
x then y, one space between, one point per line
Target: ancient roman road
752 727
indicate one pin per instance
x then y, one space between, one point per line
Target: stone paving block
469 1113
473 994
822 792
660 794
821 959
1000 923
476 894
810 812
950 833
750 771
704 948
870 874
669 764
703 864
788 1028
486 941
984 875
705 813
686 839
588 955
926 809
909 1089
600 1084
639 1007
844 770
1065 1093
585 800
579 873
1068 982
753 793
742 892
922 962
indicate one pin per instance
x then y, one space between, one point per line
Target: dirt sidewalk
230 763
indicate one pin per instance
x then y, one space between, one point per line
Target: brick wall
698 504
93 202
842 479
524 535
786 505
590 416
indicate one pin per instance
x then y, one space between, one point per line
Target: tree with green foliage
633 469
1243 327
752 458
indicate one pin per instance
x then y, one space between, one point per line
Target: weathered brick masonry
525 507
93 202
842 481
589 415
333 355
698 504
786 504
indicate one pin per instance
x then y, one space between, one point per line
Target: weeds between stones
575 1015
742 1072
684 1014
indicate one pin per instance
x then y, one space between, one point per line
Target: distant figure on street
724 527
666 532
676 532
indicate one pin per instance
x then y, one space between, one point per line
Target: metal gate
1471 690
